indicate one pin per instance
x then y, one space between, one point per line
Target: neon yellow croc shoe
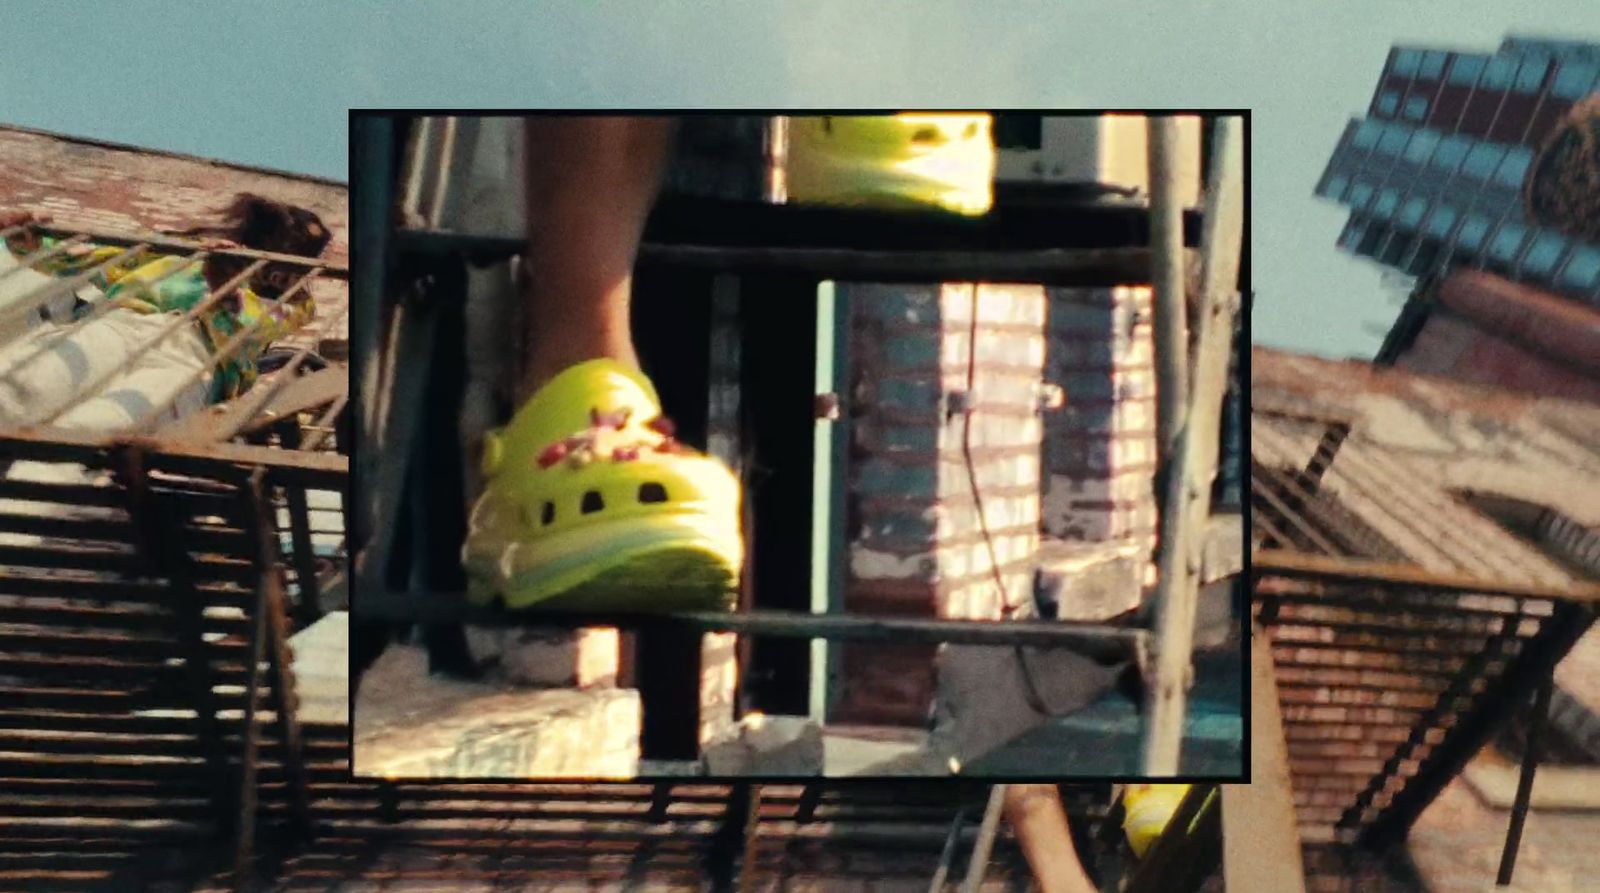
1148 809
590 504
909 160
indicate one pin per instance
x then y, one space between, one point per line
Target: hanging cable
1032 691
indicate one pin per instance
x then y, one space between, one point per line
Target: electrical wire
1031 689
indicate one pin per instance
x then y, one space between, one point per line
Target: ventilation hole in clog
592 502
652 493
925 135
547 515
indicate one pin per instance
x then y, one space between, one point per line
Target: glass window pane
1452 150
1406 62
1411 212
1440 221
1482 160
1583 268
1416 108
1543 253
1432 65
1388 200
1367 133
1531 75
1421 147
1359 195
1473 229
1465 70
1388 102
1574 79
1514 168
1498 73
1507 241
1334 186
1393 140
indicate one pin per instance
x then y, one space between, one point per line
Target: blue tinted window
1583 268
1416 108
1543 253
1432 65
1393 140
1411 212
1388 199
1531 75
1482 160
1499 73
1388 102
1507 241
1514 168
1473 229
1465 70
1367 133
1406 62
1440 221
1360 194
1452 149
1334 186
1575 79
1422 144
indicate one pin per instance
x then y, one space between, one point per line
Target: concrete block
767 745
1090 581
559 657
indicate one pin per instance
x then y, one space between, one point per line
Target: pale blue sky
275 94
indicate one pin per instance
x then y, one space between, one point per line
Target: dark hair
263 224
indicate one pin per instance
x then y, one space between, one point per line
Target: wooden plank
1260 840
304 393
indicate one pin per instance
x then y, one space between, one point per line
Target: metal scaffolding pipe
1194 460
1167 278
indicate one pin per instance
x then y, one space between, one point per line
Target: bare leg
1035 814
590 184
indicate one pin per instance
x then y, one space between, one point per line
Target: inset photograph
834 445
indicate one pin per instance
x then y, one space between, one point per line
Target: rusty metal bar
1530 763
245 830
983 849
326 423
38 298
173 243
280 660
218 356
1088 638
161 543
1311 567
1448 703
319 470
88 391
1531 668
27 261
260 397
309 610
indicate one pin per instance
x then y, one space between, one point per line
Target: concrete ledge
1493 778
412 725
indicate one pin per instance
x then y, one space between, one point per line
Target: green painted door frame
831 439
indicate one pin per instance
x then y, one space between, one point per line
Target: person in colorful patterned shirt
262 309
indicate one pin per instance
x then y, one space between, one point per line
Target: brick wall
117 188
916 546
1100 450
